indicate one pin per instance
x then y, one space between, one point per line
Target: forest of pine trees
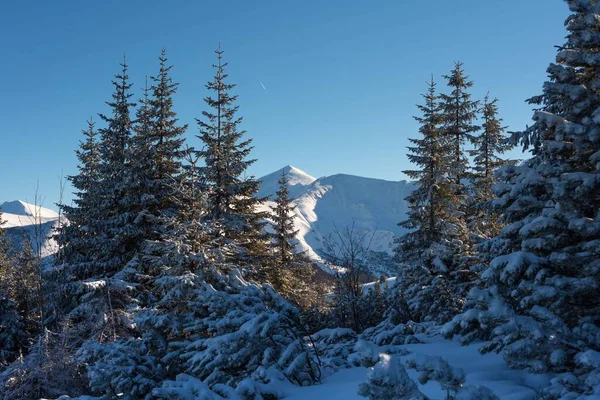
172 282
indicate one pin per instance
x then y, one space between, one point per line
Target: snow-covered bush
220 332
432 368
245 326
333 347
426 291
263 384
388 380
186 387
583 383
366 354
389 333
124 366
484 310
475 392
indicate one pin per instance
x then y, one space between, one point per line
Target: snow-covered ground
373 206
487 370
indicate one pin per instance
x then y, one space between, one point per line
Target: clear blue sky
342 77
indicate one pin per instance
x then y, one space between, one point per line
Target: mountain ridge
369 207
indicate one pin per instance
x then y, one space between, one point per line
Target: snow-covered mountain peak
298 181
24 209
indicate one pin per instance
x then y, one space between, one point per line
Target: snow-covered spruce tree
115 137
97 290
93 293
426 252
156 152
289 272
231 196
459 113
490 144
458 116
154 174
168 136
543 308
73 237
283 219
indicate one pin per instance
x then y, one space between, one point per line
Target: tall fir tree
74 237
167 134
459 113
283 222
141 195
191 225
78 238
155 170
540 305
231 196
430 202
427 250
290 271
116 242
97 291
490 145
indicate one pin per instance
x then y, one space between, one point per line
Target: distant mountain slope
18 214
329 204
26 220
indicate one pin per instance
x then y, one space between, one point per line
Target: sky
327 86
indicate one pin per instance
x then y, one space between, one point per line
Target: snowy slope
488 370
37 223
373 206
